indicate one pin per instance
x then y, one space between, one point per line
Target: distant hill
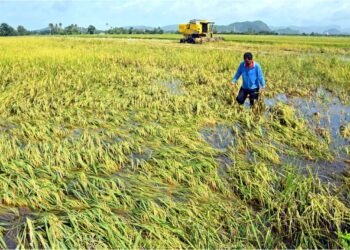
259 26
243 27
43 30
170 28
139 27
324 30
313 29
287 31
332 32
238 27
347 30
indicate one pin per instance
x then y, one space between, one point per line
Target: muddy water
77 133
13 220
220 136
173 87
278 98
345 58
329 115
138 158
109 141
326 171
225 163
324 112
7 127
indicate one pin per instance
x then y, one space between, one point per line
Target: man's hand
263 90
233 88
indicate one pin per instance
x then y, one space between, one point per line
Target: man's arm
233 83
237 75
261 80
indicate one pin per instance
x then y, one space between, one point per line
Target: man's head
248 58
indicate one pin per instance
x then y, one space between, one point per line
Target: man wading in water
253 79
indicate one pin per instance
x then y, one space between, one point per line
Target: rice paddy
138 143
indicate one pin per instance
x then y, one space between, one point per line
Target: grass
100 149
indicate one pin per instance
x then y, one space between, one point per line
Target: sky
117 13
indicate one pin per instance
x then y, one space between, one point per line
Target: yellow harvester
198 31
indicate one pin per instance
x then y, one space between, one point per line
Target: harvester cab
198 31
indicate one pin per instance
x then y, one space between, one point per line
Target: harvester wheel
200 40
192 40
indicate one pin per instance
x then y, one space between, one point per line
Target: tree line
73 29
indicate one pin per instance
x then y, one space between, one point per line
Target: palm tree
51 28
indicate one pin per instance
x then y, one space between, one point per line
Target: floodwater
345 58
323 112
138 158
13 220
173 87
7 127
225 163
326 113
220 136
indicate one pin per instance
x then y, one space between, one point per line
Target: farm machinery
198 31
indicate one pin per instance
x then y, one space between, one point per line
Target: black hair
248 55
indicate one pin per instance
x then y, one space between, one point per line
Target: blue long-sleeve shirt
252 77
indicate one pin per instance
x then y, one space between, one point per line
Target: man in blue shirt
253 80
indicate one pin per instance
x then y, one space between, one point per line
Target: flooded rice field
325 115
107 144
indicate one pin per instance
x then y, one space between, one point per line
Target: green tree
7 30
155 31
91 29
56 29
51 27
71 29
21 30
60 28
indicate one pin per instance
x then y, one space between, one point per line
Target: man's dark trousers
243 94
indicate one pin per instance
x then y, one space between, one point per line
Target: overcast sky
37 14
